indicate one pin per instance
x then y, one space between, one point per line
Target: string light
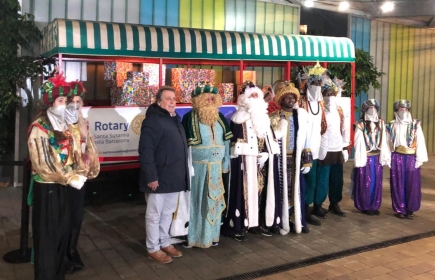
343 6
309 3
387 7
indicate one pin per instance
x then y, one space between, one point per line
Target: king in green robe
208 138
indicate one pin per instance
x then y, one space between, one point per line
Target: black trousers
77 199
50 223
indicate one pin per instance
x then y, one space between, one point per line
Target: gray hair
160 92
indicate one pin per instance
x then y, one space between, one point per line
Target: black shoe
399 215
334 208
409 215
369 212
240 237
305 229
76 260
254 230
214 244
275 229
319 211
377 212
309 218
70 268
186 245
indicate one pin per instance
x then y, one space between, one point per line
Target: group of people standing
283 150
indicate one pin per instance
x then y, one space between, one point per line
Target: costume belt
404 150
373 153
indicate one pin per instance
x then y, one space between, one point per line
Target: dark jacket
163 152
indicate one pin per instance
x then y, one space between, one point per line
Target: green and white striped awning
77 37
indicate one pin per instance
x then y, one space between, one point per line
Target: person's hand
76 184
153 185
345 155
261 159
305 170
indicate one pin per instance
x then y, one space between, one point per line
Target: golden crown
285 89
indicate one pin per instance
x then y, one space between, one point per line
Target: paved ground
413 260
112 242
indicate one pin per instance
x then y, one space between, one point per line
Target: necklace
311 109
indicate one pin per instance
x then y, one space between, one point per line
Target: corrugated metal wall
97 10
360 35
407 56
423 88
159 12
243 16
379 49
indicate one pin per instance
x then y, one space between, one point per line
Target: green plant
17 31
367 73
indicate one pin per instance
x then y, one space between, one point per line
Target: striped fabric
115 39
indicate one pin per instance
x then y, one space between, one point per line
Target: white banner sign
116 130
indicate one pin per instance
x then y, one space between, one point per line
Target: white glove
232 150
305 170
262 158
78 184
345 155
418 164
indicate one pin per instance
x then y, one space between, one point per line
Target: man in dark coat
164 172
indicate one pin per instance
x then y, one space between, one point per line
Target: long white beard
257 109
403 117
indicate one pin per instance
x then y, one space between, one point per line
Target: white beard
257 109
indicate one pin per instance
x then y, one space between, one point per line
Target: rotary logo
136 123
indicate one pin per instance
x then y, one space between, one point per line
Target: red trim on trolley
130 158
120 167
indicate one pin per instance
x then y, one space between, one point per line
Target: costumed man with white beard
333 150
208 137
371 153
269 193
290 124
409 152
309 84
249 124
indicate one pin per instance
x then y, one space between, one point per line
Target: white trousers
158 218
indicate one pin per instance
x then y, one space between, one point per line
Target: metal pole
352 99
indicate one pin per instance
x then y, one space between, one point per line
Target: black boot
319 211
369 212
72 253
409 215
334 208
309 218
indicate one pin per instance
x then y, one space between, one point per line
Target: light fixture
343 6
309 3
387 7
303 29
